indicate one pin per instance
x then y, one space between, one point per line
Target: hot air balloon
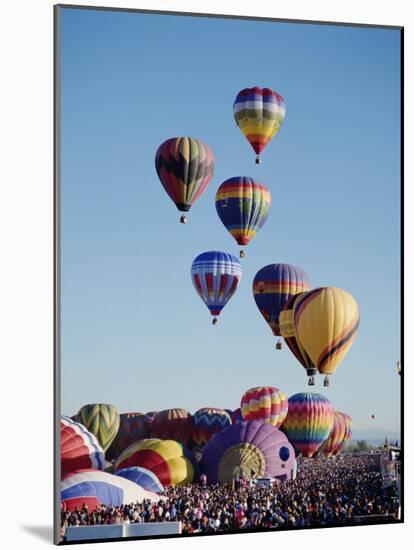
259 114
102 420
206 422
273 285
242 205
108 489
132 426
173 424
288 331
215 277
326 322
265 403
185 167
142 477
78 447
236 416
308 422
348 432
332 445
167 459
252 449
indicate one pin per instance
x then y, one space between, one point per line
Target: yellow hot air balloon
326 321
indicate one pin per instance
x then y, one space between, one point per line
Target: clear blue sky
134 331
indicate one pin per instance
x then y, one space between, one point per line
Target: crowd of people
326 491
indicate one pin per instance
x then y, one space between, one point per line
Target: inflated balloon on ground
252 449
265 403
167 459
102 420
173 424
79 448
206 422
308 422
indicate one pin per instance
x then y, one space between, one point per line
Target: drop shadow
42 532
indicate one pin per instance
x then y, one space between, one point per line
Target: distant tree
362 446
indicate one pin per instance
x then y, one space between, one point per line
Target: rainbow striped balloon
347 434
265 403
259 113
308 422
332 445
243 205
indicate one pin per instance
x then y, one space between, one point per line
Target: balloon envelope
142 477
326 322
206 422
173 424
273 285
78 447
236 416
102 420
288 331
264 403
331 446
107 488
252 449
185 167
242 204
259 113
215 277
167 459
132 426
308 422
347 434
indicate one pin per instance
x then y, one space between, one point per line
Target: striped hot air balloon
308 422
273 285
107 489
185 167
288 331
173 424
326 321
208 421
347 434
102 420
259 113
215 277
332 445
79 448
242 204
265 403
142 477
251 449
167 459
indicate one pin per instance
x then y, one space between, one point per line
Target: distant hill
375 436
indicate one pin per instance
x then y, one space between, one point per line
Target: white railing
118 531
